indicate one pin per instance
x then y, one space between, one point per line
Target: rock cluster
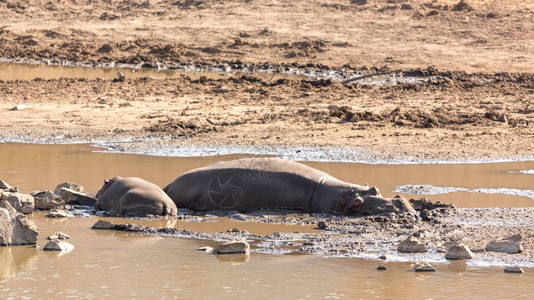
15 228
64 193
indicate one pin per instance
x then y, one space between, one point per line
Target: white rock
56 245
21 107
422 266
510 245
459 252
69 185
59 236
233 247
411 245
57 213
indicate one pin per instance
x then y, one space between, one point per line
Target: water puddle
25 71
29 70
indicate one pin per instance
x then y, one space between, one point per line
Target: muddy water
16 71
32 167
29 71
126 265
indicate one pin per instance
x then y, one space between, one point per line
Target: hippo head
370 202
107 184
376 204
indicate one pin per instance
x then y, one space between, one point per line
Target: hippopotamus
252 183
134 197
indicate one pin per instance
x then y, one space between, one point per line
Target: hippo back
132 196
247 184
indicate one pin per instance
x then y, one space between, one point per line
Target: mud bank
473 117
374 236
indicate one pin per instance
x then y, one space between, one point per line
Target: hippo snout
374 205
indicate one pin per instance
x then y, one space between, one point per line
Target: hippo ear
106 181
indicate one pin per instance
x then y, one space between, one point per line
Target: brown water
32 167
16 71
126 265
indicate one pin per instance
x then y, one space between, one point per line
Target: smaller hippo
134 197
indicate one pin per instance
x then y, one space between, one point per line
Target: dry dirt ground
476 99
476 105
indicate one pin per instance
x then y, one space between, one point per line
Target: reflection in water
458 267
234 259
14 259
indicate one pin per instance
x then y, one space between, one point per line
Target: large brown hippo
251 183
134 197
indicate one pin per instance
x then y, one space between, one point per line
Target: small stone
422 266
57 213
321 225
233 247
68 185
4 185
411 245
441 249
514 269
102 225
13 189
56 245
459 252
20 107
206 249
73 197
383 257
462 6
381 268
508 245
58 236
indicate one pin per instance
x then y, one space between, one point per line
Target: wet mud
370 237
